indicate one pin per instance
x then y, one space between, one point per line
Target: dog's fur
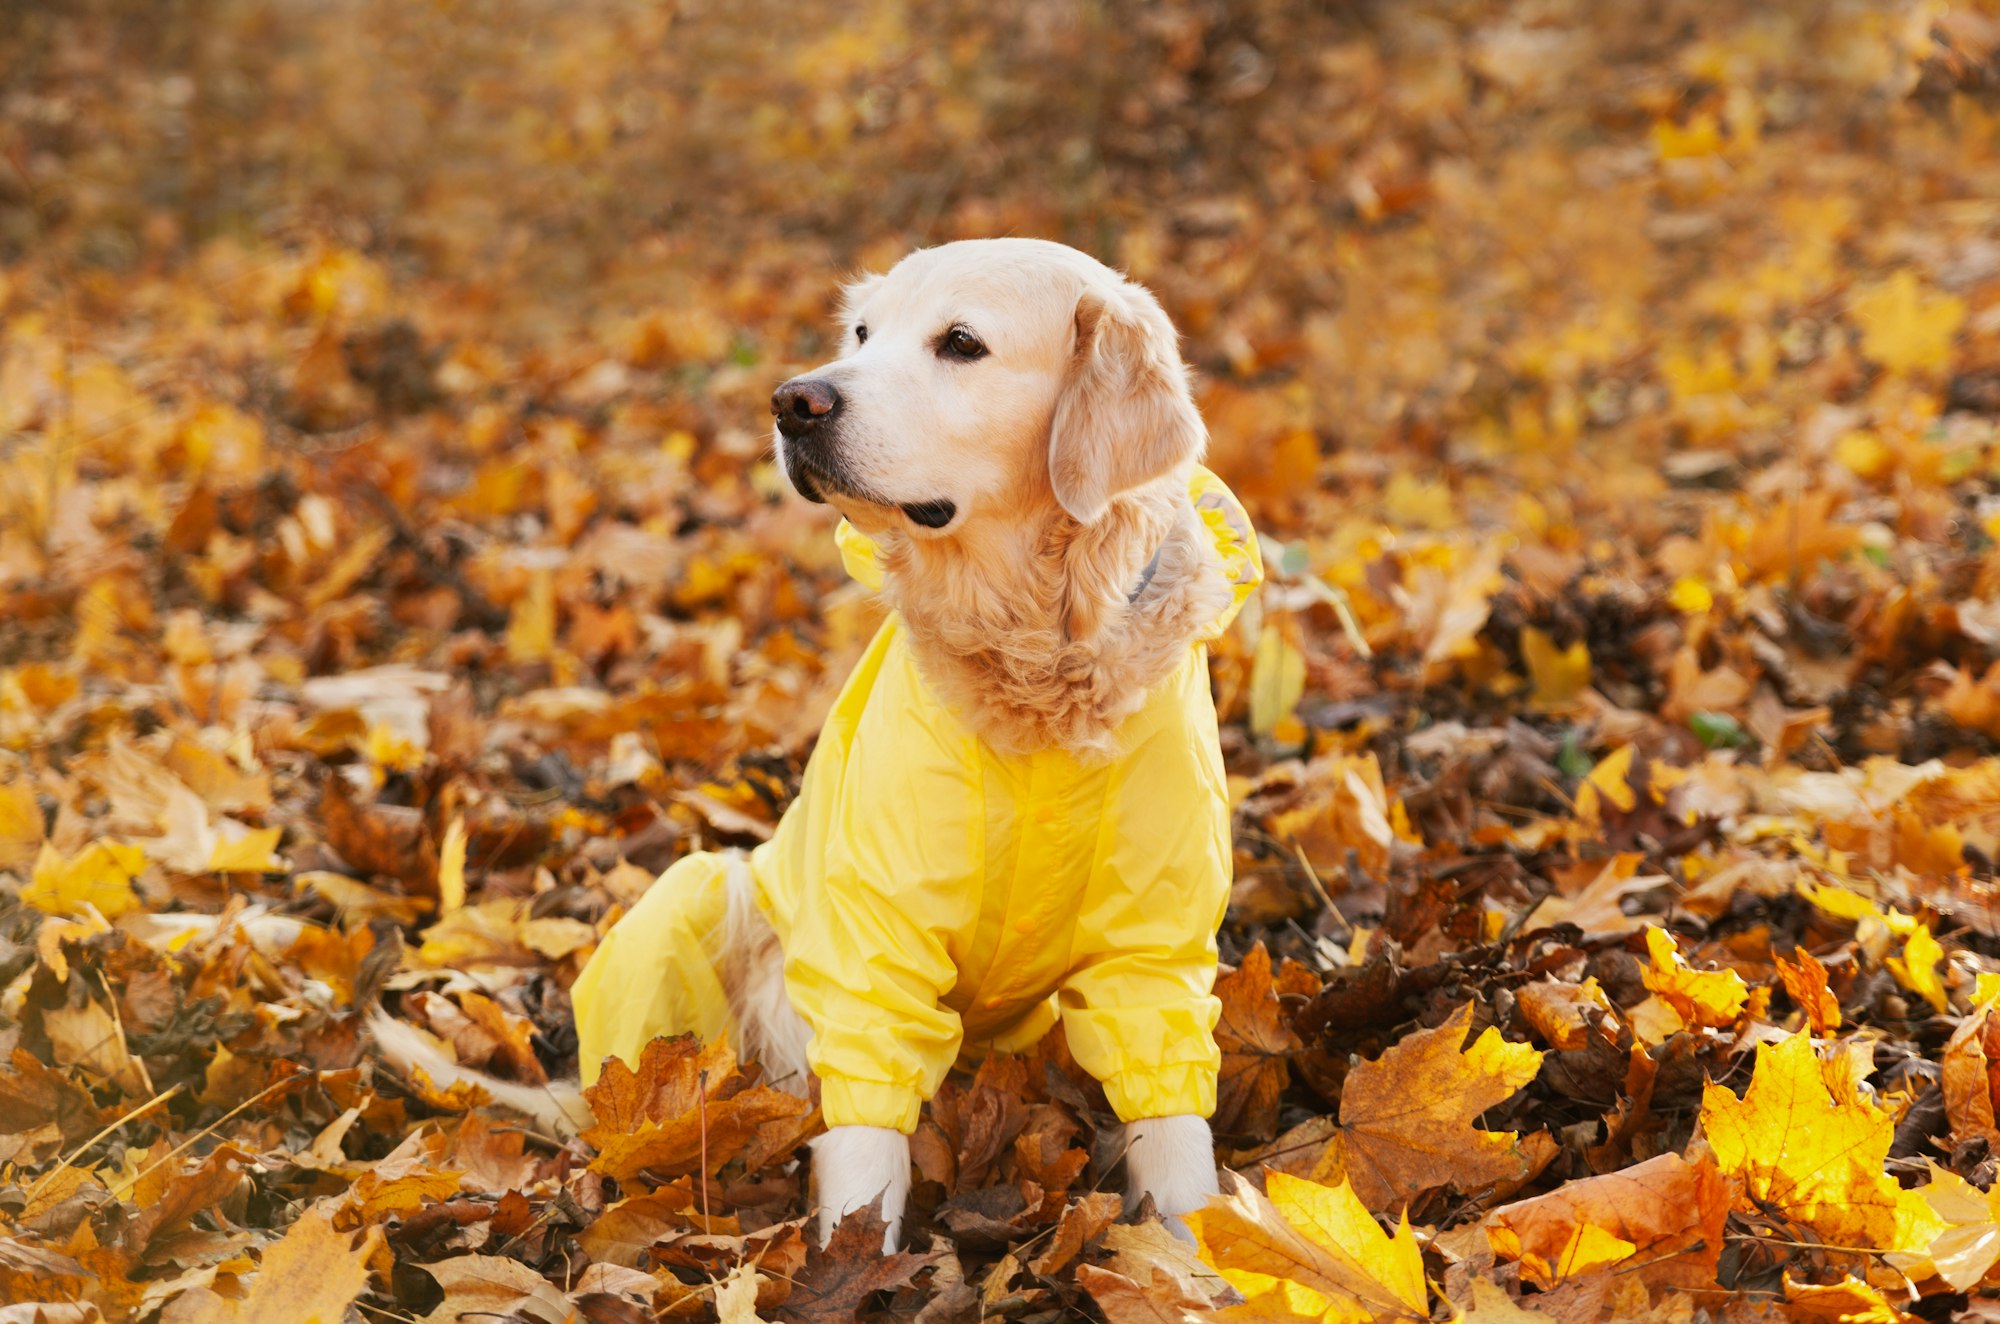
1063 454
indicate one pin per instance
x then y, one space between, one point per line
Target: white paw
1171 1159
853 1165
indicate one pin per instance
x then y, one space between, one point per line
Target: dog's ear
1125 415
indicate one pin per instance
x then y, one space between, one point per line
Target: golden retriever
1009 431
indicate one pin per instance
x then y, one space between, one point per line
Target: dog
1016 815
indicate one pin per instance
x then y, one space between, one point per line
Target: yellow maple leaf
98 877
1905 327
252 850
1814 1157
1311 1250
1406 1118
1711 998
1559 675
1607 783
1916 969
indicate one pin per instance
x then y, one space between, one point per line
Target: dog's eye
860 335
960 343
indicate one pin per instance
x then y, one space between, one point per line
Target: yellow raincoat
935 896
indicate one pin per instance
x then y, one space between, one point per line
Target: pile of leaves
394 579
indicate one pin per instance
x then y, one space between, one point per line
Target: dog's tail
557 1108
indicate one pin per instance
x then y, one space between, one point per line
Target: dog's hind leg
768 1029
1171 1159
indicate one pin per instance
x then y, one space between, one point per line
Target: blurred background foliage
1445 222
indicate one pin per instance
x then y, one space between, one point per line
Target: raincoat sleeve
1138 1008
866 961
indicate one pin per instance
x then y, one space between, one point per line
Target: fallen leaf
1303 1248
685 1109
99 877
1654 1211
852 1267
491 1286
1905 327
1406 1118
1805 981
1710 998
1916 969
1558 675
311 1275
1256 1043
1807 1153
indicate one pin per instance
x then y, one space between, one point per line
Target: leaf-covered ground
393 580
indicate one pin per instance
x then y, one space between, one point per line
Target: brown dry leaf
1654 1211
853 1267
685 1108
1490 1304
627 1230
1564 1014
490 1286
1595 908
1256 1043
1082 1220
1123 1301
406 1180
1971 1090
1406 1118
1142 1251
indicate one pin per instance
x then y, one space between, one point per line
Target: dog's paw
853 1166
1171 1160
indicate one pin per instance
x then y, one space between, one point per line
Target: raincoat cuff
1165 1091
845 1101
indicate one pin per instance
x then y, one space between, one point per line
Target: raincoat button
1044 813
1024 927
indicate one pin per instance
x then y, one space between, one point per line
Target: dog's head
978 379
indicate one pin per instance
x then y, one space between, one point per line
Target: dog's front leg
852 1165
1171 1159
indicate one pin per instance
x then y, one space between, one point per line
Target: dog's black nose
803 404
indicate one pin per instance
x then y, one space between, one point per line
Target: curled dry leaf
1660 1210
1304 1248
1805 980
